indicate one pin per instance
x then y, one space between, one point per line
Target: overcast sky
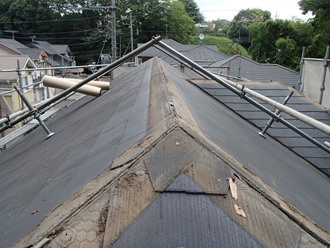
227 9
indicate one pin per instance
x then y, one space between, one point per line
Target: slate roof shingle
240 66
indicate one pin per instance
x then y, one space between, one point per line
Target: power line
46 21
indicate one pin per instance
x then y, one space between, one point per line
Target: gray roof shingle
13 45
240 66
278 92
205 54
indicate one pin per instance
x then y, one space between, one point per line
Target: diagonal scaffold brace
35 113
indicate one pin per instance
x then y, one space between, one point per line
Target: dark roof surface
58 167
292 140
155 154
46 46
33 53
12 45
206 54
240 66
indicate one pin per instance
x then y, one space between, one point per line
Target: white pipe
63 83
101 84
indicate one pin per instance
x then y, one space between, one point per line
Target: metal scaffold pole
66 92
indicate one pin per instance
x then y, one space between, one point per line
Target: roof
12 45
46 46
240 66
62 49
205 54
33 53
289 138
147 164
9 62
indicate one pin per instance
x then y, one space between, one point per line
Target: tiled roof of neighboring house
62 49
12 45
51 50
148 164
240 66
205 54
33 53
8 62
46 46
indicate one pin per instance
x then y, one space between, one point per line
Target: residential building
245 69
10 79
57 53
165 160
10 47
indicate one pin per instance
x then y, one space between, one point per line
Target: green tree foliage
238 28
279 41
222 25
321 23
181 25
193 11
224 45
25 16
153 17
87 31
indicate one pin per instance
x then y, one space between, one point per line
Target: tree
279 41
224 45
25 16
321 22
180 24
166 18
238 28
88 32
286 52
193 11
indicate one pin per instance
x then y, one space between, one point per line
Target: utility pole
113 31
112 7
129 11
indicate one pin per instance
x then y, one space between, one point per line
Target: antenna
13 32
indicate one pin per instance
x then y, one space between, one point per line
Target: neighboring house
162 161
316 80
240 67
63 50
201 54
38 55
40 58
9 79
54 54
209 26
236 67
10 47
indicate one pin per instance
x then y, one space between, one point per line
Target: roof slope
240 66
13 45
152 156
45 46
33 53
289 138
205 54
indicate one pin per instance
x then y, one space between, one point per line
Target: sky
227 9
